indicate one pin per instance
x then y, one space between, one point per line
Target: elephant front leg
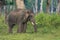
24 27
34 24
10 29
19 30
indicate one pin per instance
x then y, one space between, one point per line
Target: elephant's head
28 15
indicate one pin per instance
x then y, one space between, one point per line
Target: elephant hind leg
10 27
24 27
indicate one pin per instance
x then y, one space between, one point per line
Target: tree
2 3
20 4
48 6
58 7
41 7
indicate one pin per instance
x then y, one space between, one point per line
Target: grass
30 36
44 33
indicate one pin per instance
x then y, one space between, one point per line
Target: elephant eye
30 17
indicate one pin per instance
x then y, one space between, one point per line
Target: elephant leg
19 30
10 27
34 24
24 27
35 27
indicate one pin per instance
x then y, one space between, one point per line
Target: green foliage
3 26
47 23
29 3
47 20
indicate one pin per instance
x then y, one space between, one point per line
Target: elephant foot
24 31
35 30
10 31
19 31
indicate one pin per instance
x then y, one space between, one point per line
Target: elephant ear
27 14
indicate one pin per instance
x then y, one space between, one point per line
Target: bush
3 26
47 20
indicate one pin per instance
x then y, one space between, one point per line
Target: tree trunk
58 7
36 1
1 4
41 7
51 6
20 4
48 6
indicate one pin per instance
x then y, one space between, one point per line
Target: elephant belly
12 19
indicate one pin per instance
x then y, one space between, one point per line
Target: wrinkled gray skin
21 17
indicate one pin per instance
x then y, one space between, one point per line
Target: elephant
21 17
